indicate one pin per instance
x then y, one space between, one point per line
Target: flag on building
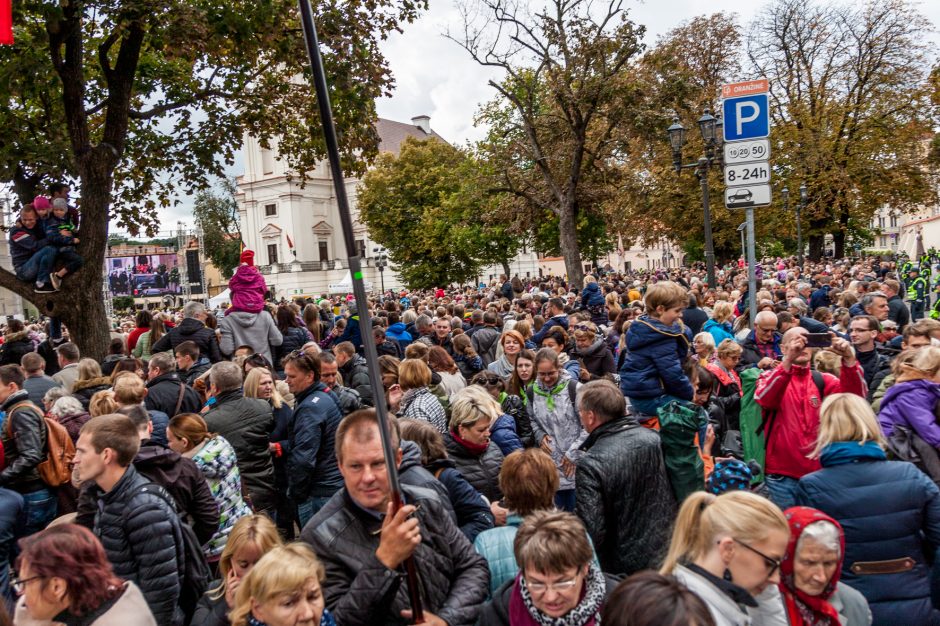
6 22
290 245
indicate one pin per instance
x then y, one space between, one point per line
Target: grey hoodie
257 330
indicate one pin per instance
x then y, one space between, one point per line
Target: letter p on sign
746 117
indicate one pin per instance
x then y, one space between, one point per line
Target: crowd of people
633 453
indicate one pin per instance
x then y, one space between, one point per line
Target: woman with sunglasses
504 431
65 577
727 550
559 581
888 510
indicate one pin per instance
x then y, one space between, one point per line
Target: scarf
802 608
326 620
476 449
842 452
522 611
550 394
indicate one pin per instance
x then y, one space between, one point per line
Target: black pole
359 290
702 172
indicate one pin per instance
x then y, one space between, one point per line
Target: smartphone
818 340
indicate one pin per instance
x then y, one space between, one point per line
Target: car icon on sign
741 195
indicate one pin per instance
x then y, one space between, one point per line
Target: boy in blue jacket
61 233
658 344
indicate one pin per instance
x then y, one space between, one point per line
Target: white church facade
297 237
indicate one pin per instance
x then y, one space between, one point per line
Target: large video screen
144 275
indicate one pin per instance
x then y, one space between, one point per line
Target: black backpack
195 568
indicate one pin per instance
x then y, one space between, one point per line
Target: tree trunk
505 264
568 243
816 244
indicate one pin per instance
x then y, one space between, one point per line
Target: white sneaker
56 281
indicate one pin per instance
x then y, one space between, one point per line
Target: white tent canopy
224 297
346 286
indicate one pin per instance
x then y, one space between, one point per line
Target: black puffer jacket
361 591
24 440
211 611
141 535
15 345
481 471
181 478
247 423
356 376
294 339
311 461
163 394
624 497
190 329
83 390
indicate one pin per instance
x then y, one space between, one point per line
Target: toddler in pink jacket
247 286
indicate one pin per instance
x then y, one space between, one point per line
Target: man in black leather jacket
246 423
623 495
23 437
363 547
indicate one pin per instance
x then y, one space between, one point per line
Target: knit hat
729 475
247 257
41 202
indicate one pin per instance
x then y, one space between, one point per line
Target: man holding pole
363 543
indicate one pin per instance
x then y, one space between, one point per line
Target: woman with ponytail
727 549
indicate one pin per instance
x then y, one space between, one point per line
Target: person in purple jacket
247 286
912 400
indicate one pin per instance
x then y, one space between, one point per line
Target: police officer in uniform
918 293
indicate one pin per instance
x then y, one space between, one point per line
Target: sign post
746 111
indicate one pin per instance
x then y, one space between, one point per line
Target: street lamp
381 262
741 229
799 225
712 133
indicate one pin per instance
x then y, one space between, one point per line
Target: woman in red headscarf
809 593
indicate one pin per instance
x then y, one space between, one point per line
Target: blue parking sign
747 117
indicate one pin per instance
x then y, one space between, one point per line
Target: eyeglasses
773 564
538 588
19 584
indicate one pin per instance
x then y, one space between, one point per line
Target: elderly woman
468 442
65 577
417 401
69 412
283 589
528 481
704 346
888 510
809 591
596 358
558 582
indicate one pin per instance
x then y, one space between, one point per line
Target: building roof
392 134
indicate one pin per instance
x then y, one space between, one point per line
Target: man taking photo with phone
790 395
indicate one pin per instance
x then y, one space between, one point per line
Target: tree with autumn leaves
135 101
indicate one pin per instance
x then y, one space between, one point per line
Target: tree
568 86
427 208
850 109
217 217
135 100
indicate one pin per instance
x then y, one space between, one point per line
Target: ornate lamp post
712 135
799 224
381 262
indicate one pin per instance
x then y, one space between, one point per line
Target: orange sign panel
747 88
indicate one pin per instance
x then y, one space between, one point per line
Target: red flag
290 244
6 22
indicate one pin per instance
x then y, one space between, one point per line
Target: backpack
195 568
55 470
769 417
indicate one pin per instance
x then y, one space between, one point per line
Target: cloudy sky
435 77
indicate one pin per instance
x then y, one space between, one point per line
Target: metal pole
355 270
799 233
751 265
702 172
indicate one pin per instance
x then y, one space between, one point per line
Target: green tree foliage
135 100
569 85
850 107
217 215
428 209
